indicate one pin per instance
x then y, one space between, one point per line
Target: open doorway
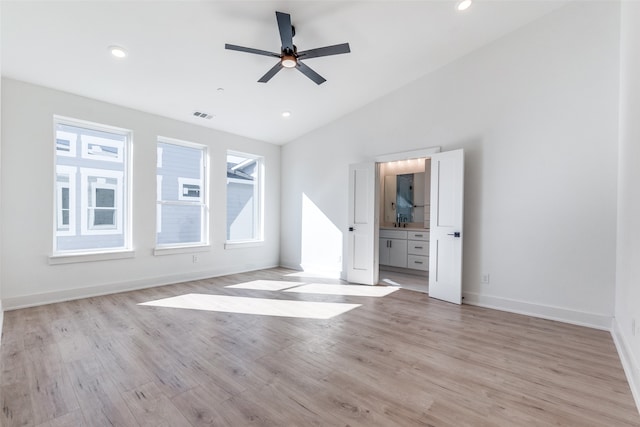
445 222
404 191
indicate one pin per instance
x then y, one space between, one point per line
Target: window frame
90 155
125 225
202 200
259 197
72 147
70 172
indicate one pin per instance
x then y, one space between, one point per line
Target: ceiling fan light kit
289 61
289 57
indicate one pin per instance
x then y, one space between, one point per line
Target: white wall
1 309
27 200
627 300
536 113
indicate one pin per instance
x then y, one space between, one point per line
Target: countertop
404 228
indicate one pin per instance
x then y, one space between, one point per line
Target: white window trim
258 208
85 217
70 172
62 229
73 137
161 250
71 257
159 154
158 204
93 140
97 254
240 244
202 201
95 186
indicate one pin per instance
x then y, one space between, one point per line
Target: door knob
456 234
351 229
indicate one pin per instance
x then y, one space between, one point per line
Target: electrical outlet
484 278
194 258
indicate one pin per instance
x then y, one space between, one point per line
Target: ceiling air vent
203 115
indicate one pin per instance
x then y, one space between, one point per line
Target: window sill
89 257
245 244
173 250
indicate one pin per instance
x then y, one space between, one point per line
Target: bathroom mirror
404 198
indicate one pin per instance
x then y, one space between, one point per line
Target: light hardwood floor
396 360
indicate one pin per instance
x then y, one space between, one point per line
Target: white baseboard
592 320
629 363
13 303
291 266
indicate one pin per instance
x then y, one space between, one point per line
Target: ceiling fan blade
336 49
272 72
310 73
286 31
250 50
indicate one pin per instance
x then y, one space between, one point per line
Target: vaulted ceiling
177 63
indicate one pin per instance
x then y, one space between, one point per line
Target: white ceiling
177 59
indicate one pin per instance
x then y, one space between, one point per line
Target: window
244 197
101 212
91 197
65 200
182 211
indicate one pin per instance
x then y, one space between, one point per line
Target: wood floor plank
398 360
100 401
72 419
152 408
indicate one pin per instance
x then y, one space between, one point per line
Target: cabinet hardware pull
418 235
418 247
417 262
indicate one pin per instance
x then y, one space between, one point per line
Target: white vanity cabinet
393 248
418 250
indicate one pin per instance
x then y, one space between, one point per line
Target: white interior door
362 237
445 248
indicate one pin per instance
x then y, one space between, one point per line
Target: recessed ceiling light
118 52
286 114
463 5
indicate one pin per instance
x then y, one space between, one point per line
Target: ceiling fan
289 55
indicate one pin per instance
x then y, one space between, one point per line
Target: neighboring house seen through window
244 197
91 187
182 210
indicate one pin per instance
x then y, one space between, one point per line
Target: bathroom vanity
404 248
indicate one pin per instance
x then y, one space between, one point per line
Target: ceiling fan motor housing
289 56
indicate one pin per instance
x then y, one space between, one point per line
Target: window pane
190 190
243 197
103 217
91 182
181 213
105 198
65 199
180 224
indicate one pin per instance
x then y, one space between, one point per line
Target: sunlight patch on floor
258 306
346 290
265 285
315 274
